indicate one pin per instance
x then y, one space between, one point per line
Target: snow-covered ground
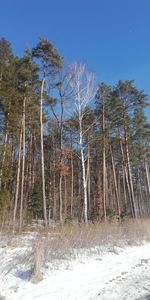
117 274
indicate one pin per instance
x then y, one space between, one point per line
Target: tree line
70 149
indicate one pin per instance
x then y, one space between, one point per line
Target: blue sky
111 36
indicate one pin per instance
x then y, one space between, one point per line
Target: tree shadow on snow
24 275
146 297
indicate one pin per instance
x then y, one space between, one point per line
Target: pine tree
50 62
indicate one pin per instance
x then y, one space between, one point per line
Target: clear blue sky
111 36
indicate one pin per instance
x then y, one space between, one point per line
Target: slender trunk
60 126
104 182
130 174
60 198
65 197
23 166
139 195
100 202
127 179
26 188
146 199
17 181
119 185
50 193
79 179
54 187
30 166
84 188
72 185
33 162
60 181
3 159
115 181
42 153
89 176
106 186
147 176
104 161
124 186
83 176
61 156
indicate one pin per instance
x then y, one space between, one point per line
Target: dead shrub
38 251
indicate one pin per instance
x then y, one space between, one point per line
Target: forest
71 148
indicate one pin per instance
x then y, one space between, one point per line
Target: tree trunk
130 175
124 186
61 156
30 167
115 182
65 197
72 185
3 159
23 166
88 176
83 176
42 154
54 187
104 161
17 181
139 190
127 179
60 198
147 176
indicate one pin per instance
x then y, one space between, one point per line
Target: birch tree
83 84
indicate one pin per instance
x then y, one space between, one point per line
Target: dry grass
64 243
58 245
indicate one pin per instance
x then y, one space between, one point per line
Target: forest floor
77 263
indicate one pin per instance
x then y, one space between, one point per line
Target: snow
118 274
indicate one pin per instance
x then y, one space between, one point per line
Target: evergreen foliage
40 117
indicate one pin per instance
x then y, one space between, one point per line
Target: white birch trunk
83 177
